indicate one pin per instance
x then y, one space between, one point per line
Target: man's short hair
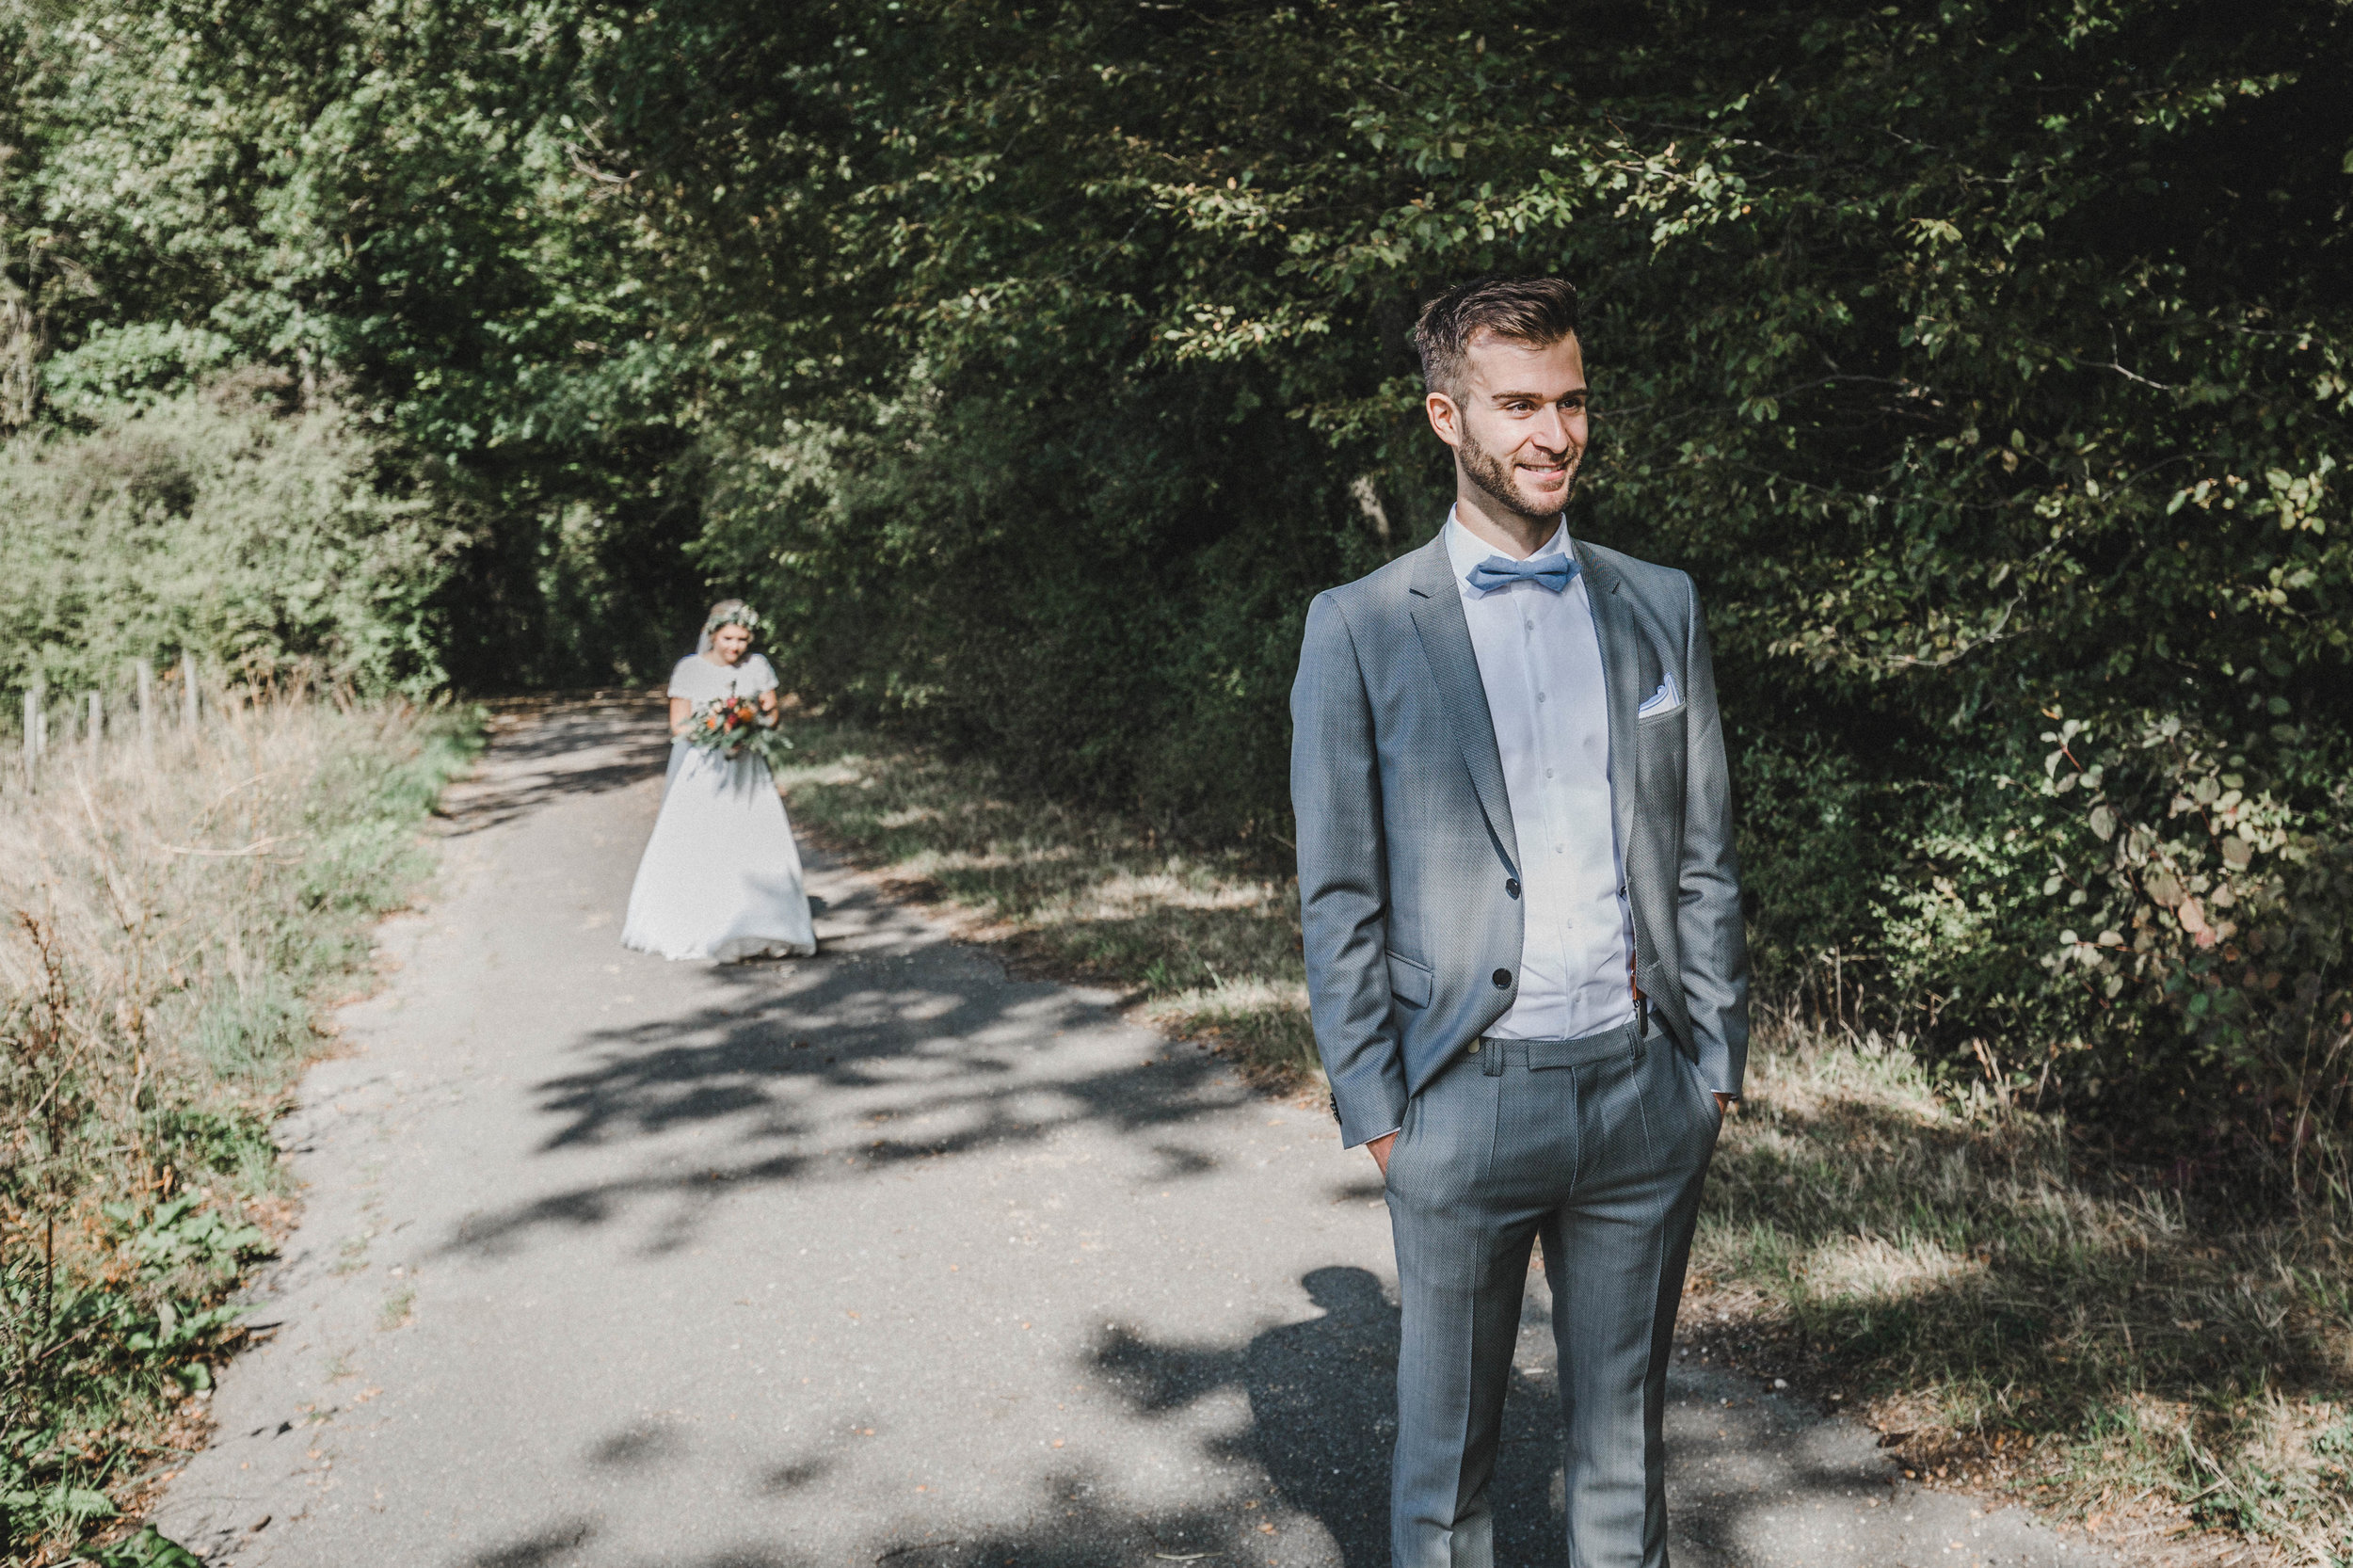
1536 311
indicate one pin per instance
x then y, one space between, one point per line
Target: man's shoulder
1381 590
1663 588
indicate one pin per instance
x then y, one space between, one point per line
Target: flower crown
742 615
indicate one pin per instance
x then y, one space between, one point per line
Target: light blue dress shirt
1540 661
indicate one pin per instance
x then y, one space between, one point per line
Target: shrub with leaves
2211 917
229 523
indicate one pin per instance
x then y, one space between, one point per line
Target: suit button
1503 980
1510 887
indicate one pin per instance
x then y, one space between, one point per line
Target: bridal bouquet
730 725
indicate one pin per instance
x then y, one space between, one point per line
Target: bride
720 878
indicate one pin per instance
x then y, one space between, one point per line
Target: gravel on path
876 1258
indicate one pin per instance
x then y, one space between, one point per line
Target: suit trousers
1597 1147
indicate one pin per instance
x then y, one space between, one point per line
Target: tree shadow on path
544 752
856 1068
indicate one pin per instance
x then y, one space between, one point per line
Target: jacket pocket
1409 982
1667 699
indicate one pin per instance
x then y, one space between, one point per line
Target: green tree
1985 364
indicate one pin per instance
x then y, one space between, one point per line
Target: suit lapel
1622 668
1435 605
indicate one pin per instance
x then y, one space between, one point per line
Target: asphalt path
878 1259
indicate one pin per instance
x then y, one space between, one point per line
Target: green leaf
149 1548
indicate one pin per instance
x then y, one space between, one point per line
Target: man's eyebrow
1533 397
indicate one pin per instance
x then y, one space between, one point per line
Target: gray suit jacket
1408 865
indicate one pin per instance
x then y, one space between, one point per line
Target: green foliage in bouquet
735 727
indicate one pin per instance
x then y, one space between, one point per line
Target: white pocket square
1662 700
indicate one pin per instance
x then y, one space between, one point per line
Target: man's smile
1547 471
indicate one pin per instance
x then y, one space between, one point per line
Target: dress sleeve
682 679
758 676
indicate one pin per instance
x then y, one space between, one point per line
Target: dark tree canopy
1033 365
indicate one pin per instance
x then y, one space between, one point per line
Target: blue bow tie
1549 571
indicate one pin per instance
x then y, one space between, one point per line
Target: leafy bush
2212 918
117 371
401 203
262 539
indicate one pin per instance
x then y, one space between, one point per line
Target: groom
1523 935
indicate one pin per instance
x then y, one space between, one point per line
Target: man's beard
1491 475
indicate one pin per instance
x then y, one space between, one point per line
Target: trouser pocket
1699 1083
1396 1147
1443 1145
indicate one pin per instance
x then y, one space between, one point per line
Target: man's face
1517 421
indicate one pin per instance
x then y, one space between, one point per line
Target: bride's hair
728 611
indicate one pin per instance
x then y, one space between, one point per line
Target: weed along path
881 1257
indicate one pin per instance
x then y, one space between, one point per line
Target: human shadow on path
1322 1400
1321 1395
1323 1419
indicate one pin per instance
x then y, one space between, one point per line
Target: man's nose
1552 428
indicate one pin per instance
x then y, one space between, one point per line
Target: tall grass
2133 1355
2129 1353
174 914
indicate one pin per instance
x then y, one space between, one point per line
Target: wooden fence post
35 699
188 707
96 729
145 674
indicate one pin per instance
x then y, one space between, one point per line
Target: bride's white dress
721 878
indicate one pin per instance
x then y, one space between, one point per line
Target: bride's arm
768 705
681 711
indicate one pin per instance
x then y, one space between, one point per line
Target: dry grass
2116 1351
174 915
2169 1376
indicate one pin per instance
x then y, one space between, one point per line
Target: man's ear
1446 417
